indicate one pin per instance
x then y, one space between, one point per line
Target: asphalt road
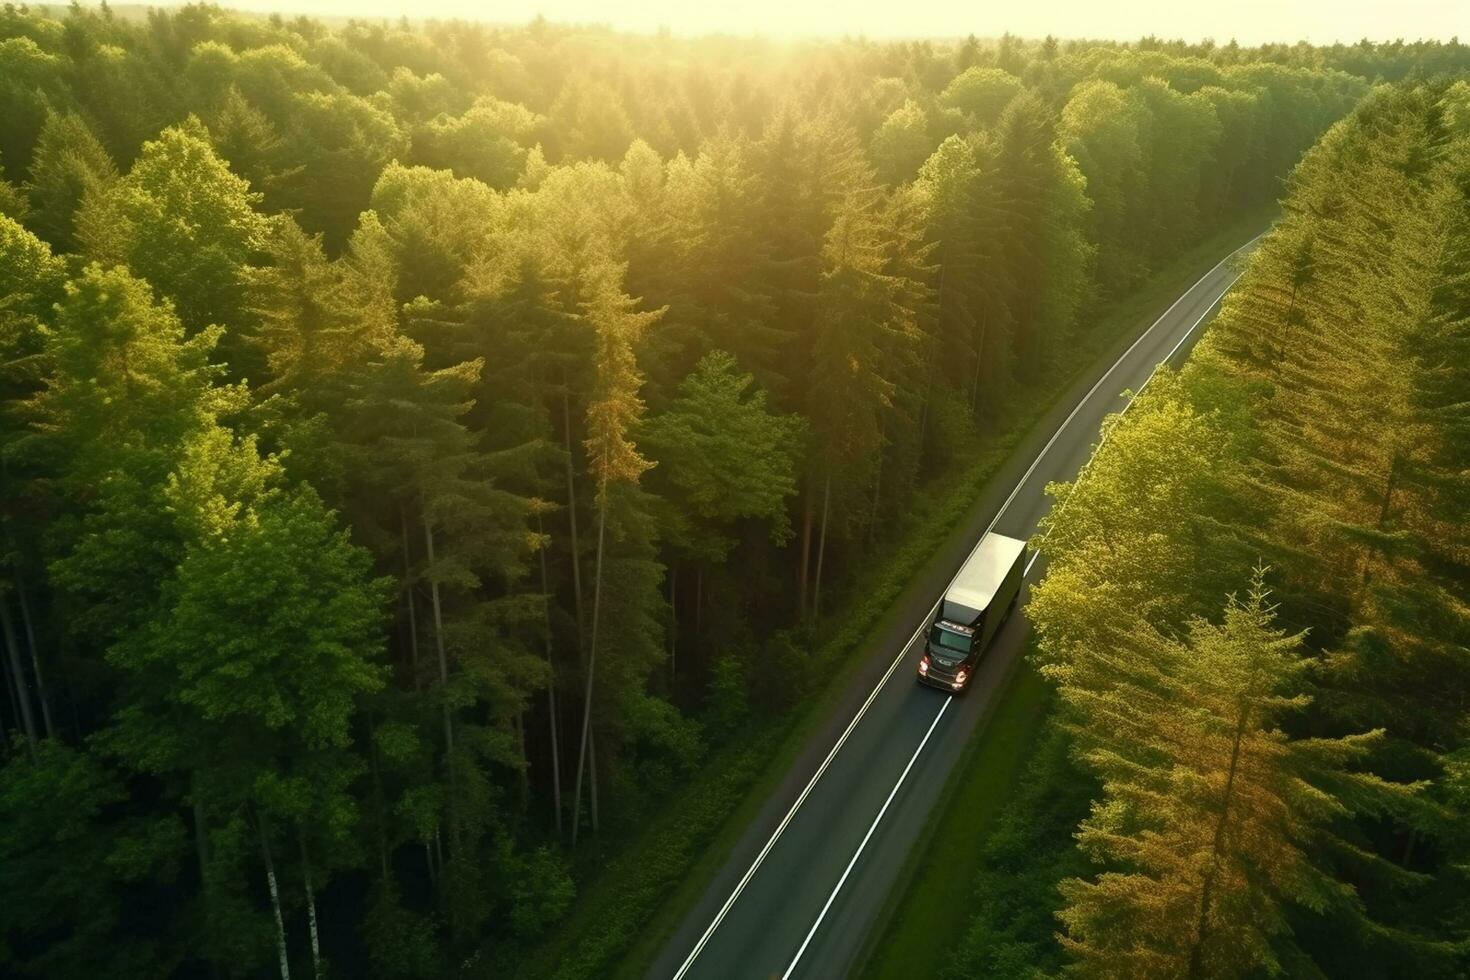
805 882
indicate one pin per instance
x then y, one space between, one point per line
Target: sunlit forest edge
425 447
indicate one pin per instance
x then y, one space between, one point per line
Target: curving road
804 883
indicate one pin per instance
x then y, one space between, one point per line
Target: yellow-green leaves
1246 771
1209 810
725 454
614 406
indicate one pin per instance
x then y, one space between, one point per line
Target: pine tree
429 485
612 457
725 458
721 297
70 164
488 142
108 439
247 140
728 456
1209 811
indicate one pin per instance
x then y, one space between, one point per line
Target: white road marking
1124 411
871 827
904 775
872 696
750 872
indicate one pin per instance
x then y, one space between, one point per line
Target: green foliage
982 93
280 565
69 165
902 143
13 203
613 406
727 457
1208 809
401 943
182 221
255 149
29 77
344 142
474 290
488 142
30 275
79 867
109 440
1268 792
1013 930
1103 130
589 121
639 881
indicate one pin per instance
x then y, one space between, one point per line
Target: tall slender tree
612 457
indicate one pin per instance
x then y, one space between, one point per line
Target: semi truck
977 602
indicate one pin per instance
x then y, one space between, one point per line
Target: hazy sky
1249 21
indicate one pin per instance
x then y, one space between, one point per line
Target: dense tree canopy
420 445
1281 786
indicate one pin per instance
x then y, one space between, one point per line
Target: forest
1257 614
423 446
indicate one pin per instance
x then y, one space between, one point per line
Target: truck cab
977 602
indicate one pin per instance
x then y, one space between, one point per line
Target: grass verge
639 894
937 882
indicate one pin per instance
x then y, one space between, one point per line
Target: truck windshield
949 639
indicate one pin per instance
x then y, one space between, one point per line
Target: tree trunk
592 778
30 631
591 669
923 417
17 673
1277 355
413 625
931 348
822 546
673 622
439 634
270 879
524 780
566 423
806 547
979 363
1388 490
10 693
1383 513
551 693
1196 951
443 687
316 947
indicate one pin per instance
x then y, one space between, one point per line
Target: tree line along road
807 878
